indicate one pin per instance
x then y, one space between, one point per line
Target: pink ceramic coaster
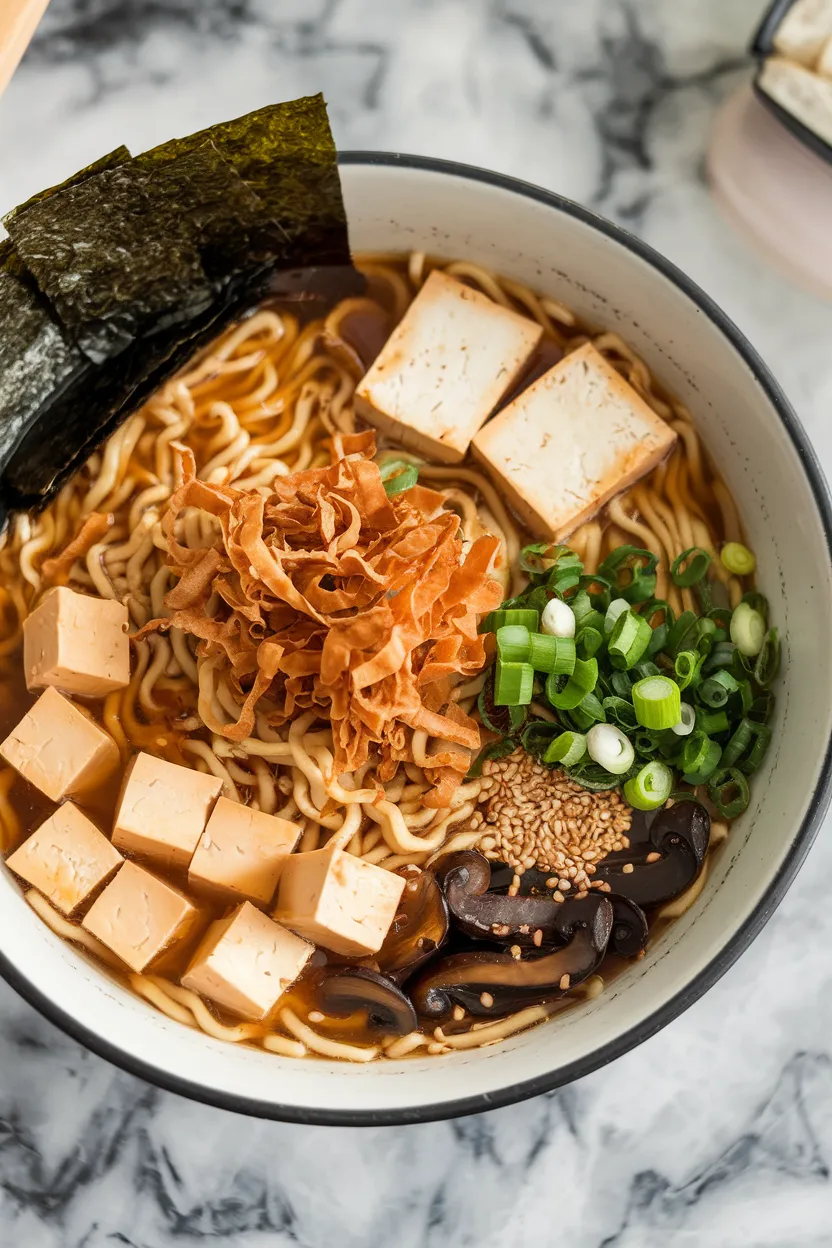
774 190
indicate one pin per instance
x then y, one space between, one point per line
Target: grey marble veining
717 1131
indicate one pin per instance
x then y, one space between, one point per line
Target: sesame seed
653 857
315 1016
516 952
538 937
564 983
486 1000
628 868
458 1014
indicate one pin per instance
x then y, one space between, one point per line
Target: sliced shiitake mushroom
679 834
465 878
340 991
419 929
497 983
630 929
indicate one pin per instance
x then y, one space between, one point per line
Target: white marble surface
716 1132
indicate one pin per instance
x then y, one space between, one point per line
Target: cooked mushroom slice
345 990
629 927
496 983
419 928
466 877
679 835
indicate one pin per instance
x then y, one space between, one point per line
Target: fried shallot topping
325 593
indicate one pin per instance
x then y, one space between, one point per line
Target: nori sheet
115 260
112 280
286 154
120 156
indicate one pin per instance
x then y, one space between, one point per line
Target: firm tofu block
58 749
803 31
804 94
242 851
163 810
246 961
138 916
338 901
77 643
824 65
67 859
570 442
444 368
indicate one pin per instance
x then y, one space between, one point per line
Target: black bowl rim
740 940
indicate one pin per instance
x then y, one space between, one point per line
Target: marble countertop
716 1132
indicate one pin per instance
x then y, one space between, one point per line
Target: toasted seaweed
114 259
120 156
286 154
36 361
112 280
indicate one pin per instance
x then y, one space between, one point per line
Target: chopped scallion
686 722
651 788
715 691
558 619
657 703
513 684
514 643
526 616
552 654
610 748
689 567
398 475
628 640
565 693
748 630
738 559
614 610
768 660
729 792
567 749
686 667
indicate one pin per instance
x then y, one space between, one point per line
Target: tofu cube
67 859
445 368
570 442
246 961
241 852
58 749
163 810
77 643
338 901
804 94
139 916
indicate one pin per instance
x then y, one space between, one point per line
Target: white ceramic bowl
398 203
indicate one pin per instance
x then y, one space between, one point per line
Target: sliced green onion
686 667
537 736
748 630
722 655
703 634
589 641
761 708
581 605
738 559
758 602
614 610
715 691
610 748
677 637
514 643
740 742
657 703
398 475
686 722
628 640
591 711
712 722
504 616
651 788
594 778
558 619
567 749
513 684
622 685
747 747
647 743
619 711
567 693
641 565
646 668
552 654
517 717
729 792
690 567
707 765
768 660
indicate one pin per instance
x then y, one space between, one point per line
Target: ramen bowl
398 203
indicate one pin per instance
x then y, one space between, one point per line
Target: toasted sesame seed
486 1000
538 937
564 982
628 868
315 1016
653 857
458 1014
516 952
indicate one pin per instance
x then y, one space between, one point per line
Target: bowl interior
608 279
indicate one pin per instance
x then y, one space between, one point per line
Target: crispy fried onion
327 594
